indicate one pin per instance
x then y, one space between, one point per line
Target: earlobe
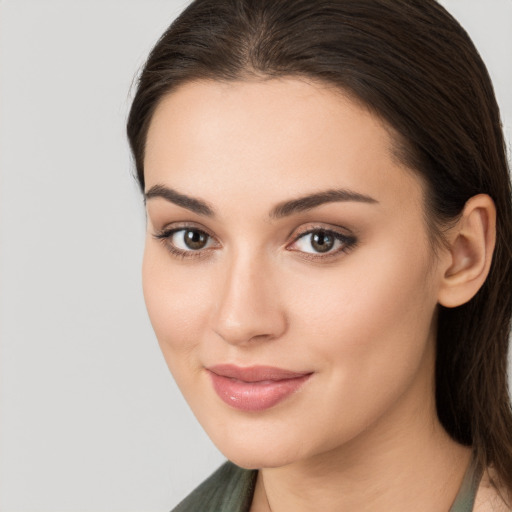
471 246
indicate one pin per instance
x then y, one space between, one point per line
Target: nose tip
237 333
249 309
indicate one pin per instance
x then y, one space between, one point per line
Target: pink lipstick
255 388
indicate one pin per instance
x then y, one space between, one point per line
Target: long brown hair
414 66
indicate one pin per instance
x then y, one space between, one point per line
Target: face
287 271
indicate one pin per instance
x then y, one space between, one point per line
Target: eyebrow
190 203
281 210
311 201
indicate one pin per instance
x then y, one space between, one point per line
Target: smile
255 388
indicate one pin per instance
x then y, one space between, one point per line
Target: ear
469 255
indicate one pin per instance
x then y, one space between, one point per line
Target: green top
230 489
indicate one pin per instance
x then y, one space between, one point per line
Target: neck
385 481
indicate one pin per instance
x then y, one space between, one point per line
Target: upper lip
255 373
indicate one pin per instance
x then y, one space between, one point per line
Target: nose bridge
248 304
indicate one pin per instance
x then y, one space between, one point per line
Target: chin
251 451
257 460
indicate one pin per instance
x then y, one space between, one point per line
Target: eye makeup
326 243
187 241
313 242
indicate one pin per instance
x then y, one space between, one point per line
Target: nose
248 308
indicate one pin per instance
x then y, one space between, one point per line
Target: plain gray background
90 418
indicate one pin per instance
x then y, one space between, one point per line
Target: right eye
186 242
189 239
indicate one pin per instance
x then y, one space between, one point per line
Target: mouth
255 388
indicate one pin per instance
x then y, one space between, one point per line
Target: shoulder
229 489
491 499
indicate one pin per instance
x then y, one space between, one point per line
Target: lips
255 388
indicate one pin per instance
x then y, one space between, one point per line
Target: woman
328 259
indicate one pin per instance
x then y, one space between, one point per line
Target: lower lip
255 396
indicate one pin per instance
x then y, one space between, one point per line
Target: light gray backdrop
90 418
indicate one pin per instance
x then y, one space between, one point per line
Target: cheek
176 303
365 293
369 322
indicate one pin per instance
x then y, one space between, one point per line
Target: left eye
321 241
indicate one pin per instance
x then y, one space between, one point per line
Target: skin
362 433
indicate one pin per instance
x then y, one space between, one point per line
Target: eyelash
165 236
348 243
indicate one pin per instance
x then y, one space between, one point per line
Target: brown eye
195 239
322 241
187 242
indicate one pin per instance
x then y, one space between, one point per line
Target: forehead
271 138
